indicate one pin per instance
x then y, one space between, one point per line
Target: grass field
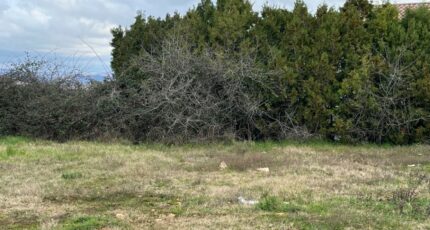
84 185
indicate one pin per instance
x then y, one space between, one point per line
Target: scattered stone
247 202
171 216
223 165
265 170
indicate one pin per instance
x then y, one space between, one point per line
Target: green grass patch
91 222
71 175
335 213
9 140
11 152
276 204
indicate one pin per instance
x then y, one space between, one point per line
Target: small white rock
223 165
265 170
247 202
411 165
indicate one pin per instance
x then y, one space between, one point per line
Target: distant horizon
89 65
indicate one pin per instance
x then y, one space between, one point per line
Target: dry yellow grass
82 185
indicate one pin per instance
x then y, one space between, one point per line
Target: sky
77 32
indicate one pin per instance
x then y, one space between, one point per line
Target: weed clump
407 199
71 175
275 204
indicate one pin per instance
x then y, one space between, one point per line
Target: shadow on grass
96 202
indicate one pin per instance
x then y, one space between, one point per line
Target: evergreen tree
233 21
198 22
358 73
322 84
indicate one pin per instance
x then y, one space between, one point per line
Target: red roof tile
402 7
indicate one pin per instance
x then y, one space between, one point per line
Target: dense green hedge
355 74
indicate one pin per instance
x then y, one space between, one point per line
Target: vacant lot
82 185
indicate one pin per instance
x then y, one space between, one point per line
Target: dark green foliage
357 74
145 34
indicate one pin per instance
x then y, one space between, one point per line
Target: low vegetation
313 185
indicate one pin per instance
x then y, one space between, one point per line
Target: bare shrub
182 95
407 197
43 99
176 95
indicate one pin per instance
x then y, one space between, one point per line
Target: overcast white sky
64 27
